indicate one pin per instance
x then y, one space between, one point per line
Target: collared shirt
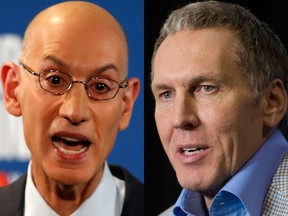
245 192
107 199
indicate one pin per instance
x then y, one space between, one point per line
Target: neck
208 201
62 198
65 199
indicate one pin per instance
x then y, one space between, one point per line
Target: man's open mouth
70 146
191 151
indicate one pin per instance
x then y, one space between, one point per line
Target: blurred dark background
161 187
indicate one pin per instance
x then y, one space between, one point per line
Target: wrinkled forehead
77 32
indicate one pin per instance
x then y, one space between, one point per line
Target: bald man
72 92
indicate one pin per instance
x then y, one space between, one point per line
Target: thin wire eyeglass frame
122 85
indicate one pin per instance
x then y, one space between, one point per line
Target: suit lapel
276 200
12 198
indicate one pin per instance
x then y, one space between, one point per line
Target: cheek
162 123
237 130
164 129
106 121
36 122
38 111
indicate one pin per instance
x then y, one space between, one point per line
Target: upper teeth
70 139
191 151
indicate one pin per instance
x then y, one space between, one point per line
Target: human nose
185 113
75 104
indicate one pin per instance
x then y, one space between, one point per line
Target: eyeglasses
58 83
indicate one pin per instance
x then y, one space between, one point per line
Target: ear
129 98
275 103
10 83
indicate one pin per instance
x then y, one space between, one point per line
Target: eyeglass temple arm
29 69
124 85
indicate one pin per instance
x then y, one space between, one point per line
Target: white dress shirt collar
107 199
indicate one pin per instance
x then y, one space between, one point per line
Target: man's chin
71 179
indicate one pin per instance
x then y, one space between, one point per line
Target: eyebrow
159 86
97 71
194 81
55 60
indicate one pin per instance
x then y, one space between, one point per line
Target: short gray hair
261 54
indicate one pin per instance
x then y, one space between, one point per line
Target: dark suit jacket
12 196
